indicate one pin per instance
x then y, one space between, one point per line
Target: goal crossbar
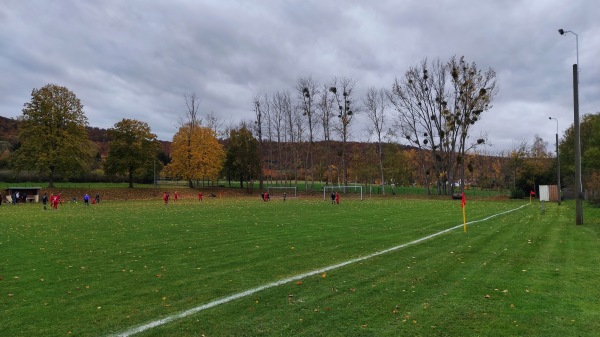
343 189
292 191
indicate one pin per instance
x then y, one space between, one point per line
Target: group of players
166 197
56 199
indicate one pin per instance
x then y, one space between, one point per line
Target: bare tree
418 117
284 126
342 90
189 123
268 120
473 93
278 119
192 114
296 130
376 104
214 122
327 109
436 113
258 129
308 91
326 106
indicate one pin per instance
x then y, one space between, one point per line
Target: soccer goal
277 192
347 191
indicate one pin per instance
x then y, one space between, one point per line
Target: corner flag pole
464 210
531 195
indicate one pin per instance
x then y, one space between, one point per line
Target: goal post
344 190
278 191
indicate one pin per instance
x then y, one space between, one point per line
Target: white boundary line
233 297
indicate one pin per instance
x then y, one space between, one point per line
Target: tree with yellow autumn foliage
195 154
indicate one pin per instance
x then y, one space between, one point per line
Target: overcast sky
137 59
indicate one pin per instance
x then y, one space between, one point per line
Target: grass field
108 268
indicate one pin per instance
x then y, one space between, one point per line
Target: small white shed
548 193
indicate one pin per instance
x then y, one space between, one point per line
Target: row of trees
433 107
301 138
53 141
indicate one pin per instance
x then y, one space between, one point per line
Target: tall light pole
563 32
579 200
557 164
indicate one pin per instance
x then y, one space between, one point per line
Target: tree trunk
51 178
130 178
381 168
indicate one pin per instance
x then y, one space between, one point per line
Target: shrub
516 193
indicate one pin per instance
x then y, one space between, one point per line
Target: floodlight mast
576 127
563 32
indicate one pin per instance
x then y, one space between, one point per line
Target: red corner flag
464 201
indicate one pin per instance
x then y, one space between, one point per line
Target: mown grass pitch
104 269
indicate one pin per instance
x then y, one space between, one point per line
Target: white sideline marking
233 297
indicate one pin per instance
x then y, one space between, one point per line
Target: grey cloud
137 59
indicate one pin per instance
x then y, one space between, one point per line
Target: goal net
277 192
355 191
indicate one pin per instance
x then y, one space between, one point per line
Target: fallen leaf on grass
299 283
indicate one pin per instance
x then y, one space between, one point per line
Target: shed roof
23 188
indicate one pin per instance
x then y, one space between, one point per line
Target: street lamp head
561 31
